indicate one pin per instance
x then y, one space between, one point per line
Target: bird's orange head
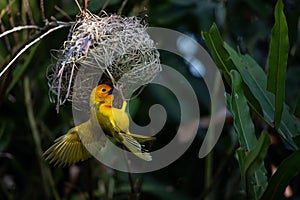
102 94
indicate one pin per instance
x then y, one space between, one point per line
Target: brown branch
78 5
122 7
42 7
104 5
5 39
11 20
28 11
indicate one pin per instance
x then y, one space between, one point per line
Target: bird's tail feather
132 145
142 138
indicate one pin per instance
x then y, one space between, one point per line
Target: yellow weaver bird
69 148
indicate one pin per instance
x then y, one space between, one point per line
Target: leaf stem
46 175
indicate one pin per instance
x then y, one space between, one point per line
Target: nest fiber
112 49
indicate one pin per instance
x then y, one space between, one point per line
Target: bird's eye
103 90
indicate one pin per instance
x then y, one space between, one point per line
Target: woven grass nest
108 49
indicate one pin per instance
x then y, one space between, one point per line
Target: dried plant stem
105 5
28 11
122 7
46 175
19 28
11 20
78 5
216 178
130 178
5 39
209 161
208 173
86 4
30 44
42 7
63 12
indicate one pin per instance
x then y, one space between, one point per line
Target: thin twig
139 92
130 178
19 28
91 182
29 45
216 178
131 183
46 175
62 12
104 5
34 128
28 11
6 155
86 4
122 7
78 5
5 39
42 7
11 21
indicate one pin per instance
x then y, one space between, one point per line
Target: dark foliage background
245 24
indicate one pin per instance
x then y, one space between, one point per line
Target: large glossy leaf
256 80
254 83
214 42
241 157
222 59
297 106
279 50
245 129
253 165
242 120
280 179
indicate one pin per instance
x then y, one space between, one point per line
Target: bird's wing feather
67 150
121 119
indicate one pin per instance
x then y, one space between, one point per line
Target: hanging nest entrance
108 49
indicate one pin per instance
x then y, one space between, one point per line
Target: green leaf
241 157
280 179
242 120
5 137
279 50
254 83
256 80
297 106
245 129
214 42
21 68
253 165
222 59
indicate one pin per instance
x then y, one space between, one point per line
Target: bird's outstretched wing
67 150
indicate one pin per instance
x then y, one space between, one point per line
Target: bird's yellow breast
110 118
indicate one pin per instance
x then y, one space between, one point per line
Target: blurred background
29 122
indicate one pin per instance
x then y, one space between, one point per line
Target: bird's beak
110 91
